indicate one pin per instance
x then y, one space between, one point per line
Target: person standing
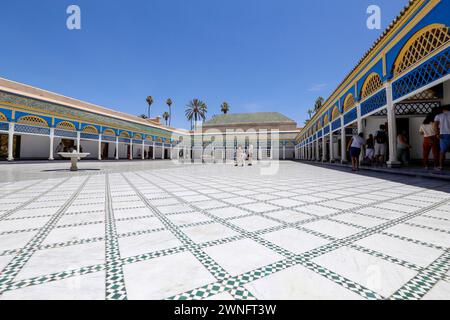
239 157
354 146
250 155
403 148
380 145
442 128
430 141
370 149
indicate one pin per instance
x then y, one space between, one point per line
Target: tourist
239 156
403 148
442 128
430 141
60 148
380 145
370 149
250 155
354 146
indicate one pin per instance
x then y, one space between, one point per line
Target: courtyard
157 230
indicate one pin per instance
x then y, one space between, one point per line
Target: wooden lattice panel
326 120
90 129
109 132
124 135
335 114
372 84
66 126
33 121
3 118
138 137
149 138
349 102
421 45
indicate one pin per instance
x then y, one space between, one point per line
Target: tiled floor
220 232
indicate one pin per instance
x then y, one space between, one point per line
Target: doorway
4 147
105 150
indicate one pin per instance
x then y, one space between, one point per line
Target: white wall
446 99
123 151
34 147
90 147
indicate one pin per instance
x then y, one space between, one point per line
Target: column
323 146
117 148
162 151
392 128
143 150
11 142
343 143
331 145
131 149
284 152
78 141
52 141
154 150
317 150
99 147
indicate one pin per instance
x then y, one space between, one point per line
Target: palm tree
318 104
196 110
166 116
169 103
310 112
225 108
150 102
143 116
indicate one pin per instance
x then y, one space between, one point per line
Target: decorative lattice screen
90 129
349 102
422 44
372 84
33 121
66 126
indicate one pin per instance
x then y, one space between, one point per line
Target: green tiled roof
244 118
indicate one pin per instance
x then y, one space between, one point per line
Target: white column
392 128
131 149
343 143
11 142
162 150
284 152
78 141
317 150
99 147
154 150
52 141
117 148
331 145
143 150
323 146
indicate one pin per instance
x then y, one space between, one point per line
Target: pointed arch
149 138
33 121
326 120
137 137
3 118
422 44
124 134
349 102
371 85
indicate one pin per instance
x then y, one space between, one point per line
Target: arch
33 121
90 129
420 45
137 137
149 138
326 120
319 125
109 132
335 113
124 134
371 85
3 118
159 140
349 102
66 125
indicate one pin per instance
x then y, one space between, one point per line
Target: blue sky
258 55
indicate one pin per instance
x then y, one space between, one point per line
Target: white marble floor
137 231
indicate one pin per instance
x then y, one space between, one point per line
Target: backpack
380 138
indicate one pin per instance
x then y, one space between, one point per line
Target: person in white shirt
354 146
430 141
442 127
